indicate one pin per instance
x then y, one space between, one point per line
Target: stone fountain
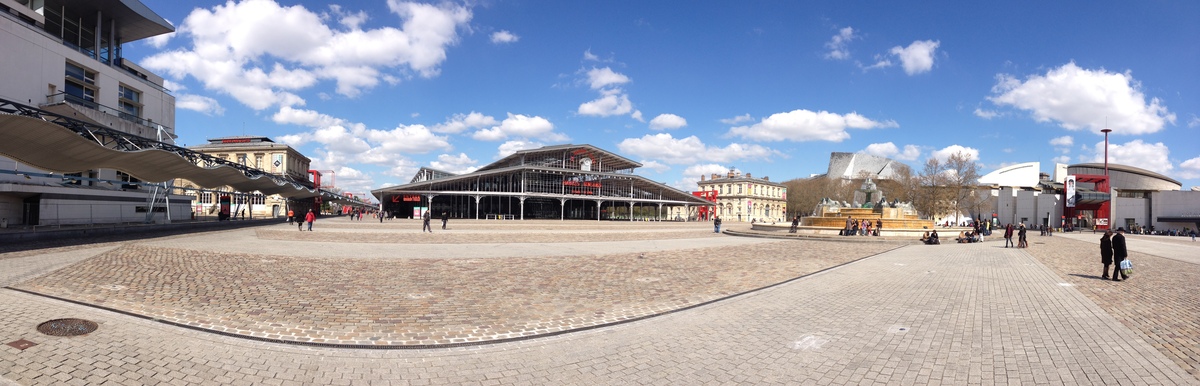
899 219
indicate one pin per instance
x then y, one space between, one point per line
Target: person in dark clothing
878 226
1008 234
425 223
1119 254
716 224
1106 252
445 218
1021 242
795 224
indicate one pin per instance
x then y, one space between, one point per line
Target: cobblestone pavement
950 314
1159 300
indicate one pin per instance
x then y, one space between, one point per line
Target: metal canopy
60 144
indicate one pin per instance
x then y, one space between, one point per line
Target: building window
241 159
80 86
130 102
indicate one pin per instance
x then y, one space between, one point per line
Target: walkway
949 314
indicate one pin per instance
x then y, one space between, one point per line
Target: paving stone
952 314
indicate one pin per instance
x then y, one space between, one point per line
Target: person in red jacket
309 218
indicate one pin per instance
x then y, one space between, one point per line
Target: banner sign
1070 191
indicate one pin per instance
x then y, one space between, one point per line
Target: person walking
291 216
445 218
309 218
1008 234
716 224
1021 242
425 222
1106 252
795 224
1119 254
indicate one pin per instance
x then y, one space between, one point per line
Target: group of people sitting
930 238
968 237
862 227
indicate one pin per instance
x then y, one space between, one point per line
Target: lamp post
1107 183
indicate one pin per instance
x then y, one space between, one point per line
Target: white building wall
1131 211
1184 204
32 66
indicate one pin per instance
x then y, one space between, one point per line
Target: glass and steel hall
555 182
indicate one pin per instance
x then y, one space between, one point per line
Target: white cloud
804 125
637 115
667 122
1153 157
599 78
201 104
160 41
837 44
259 52
1062 159
507 148
986 114
917 57
459 123
611 102
1063 141
889 150
668 149
738 119
589 56
342 141
945 153
657 167
459 164
1190 168
1081 99
880 62
523 126
692 174
504 37
1195 122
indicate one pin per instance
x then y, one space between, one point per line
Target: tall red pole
1107 183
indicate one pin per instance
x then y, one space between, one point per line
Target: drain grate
67 327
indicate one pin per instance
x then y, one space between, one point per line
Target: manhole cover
67 327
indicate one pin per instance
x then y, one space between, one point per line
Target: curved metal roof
28 140
60 144
1126 169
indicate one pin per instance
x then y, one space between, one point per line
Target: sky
373 90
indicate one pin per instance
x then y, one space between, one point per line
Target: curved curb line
452 345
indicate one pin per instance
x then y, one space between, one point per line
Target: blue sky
376 89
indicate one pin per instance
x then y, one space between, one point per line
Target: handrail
63 97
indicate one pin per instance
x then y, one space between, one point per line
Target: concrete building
853 166
1140 198
256 152
741 197
64 56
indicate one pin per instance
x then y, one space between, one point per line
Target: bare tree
930 199
962 175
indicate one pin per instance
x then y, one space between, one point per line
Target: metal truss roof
56 143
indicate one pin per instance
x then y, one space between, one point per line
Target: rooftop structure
557 182
853 165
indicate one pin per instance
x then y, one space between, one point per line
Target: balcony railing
68 98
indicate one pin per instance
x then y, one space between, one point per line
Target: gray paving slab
1162 246
950 314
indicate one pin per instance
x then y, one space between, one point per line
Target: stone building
745 198
256 152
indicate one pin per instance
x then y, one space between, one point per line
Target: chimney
701 178
747 175
714 176
767 178
730 175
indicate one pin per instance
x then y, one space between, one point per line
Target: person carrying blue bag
1119 256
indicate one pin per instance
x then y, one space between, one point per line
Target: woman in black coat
1106 252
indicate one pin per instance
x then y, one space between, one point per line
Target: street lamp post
1107 182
